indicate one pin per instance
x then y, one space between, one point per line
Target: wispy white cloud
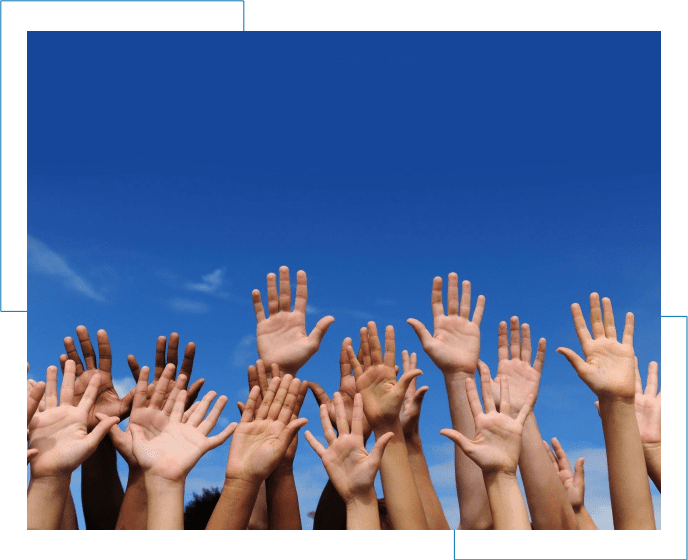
244 352
43 260
123 385
188 306
211 283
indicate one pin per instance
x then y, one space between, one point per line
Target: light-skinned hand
350 468
376 378
60 433
573 480
264 433
163 445
609 365
347 390
497 443
34 394
281 338
413 399
523 378
455 344
260 377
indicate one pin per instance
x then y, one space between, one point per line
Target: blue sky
168 173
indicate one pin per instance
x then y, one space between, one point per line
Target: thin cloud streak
43 260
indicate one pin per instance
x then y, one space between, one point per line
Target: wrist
158 484
234 484
458 374
413 443
652 450
500 477
361 499
391 425
285 468
55 480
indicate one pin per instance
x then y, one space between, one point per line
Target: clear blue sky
529 163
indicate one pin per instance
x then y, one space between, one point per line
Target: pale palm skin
609 370
108 401
350 468
282 338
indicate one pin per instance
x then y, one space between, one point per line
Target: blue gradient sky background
529 163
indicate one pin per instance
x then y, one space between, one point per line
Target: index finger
104 352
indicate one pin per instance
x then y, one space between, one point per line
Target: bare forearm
233 509
45 502
653 463
362 513
69 520
134 511
101 489
548 503
282 499
629 486
470 488
584 520
331 511
165 504
506 502
259 516
434 515
401 495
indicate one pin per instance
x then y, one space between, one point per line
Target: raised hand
259 376
497 443
107 400
146 411
648 406
34 394
172 358
413 399
350 468
609 365
523 378
496 448
455 344
282 338
163 445
347 390
376 378
60 433
573 480
264 433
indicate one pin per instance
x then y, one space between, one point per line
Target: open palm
455 345
60 433
282 338
377 382
609 365
523 378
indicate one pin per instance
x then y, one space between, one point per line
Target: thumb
319 393
597 406
423 334
320 329
574 359
406 378
379 448
100 431
579 472
459 439
241 406
420 395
